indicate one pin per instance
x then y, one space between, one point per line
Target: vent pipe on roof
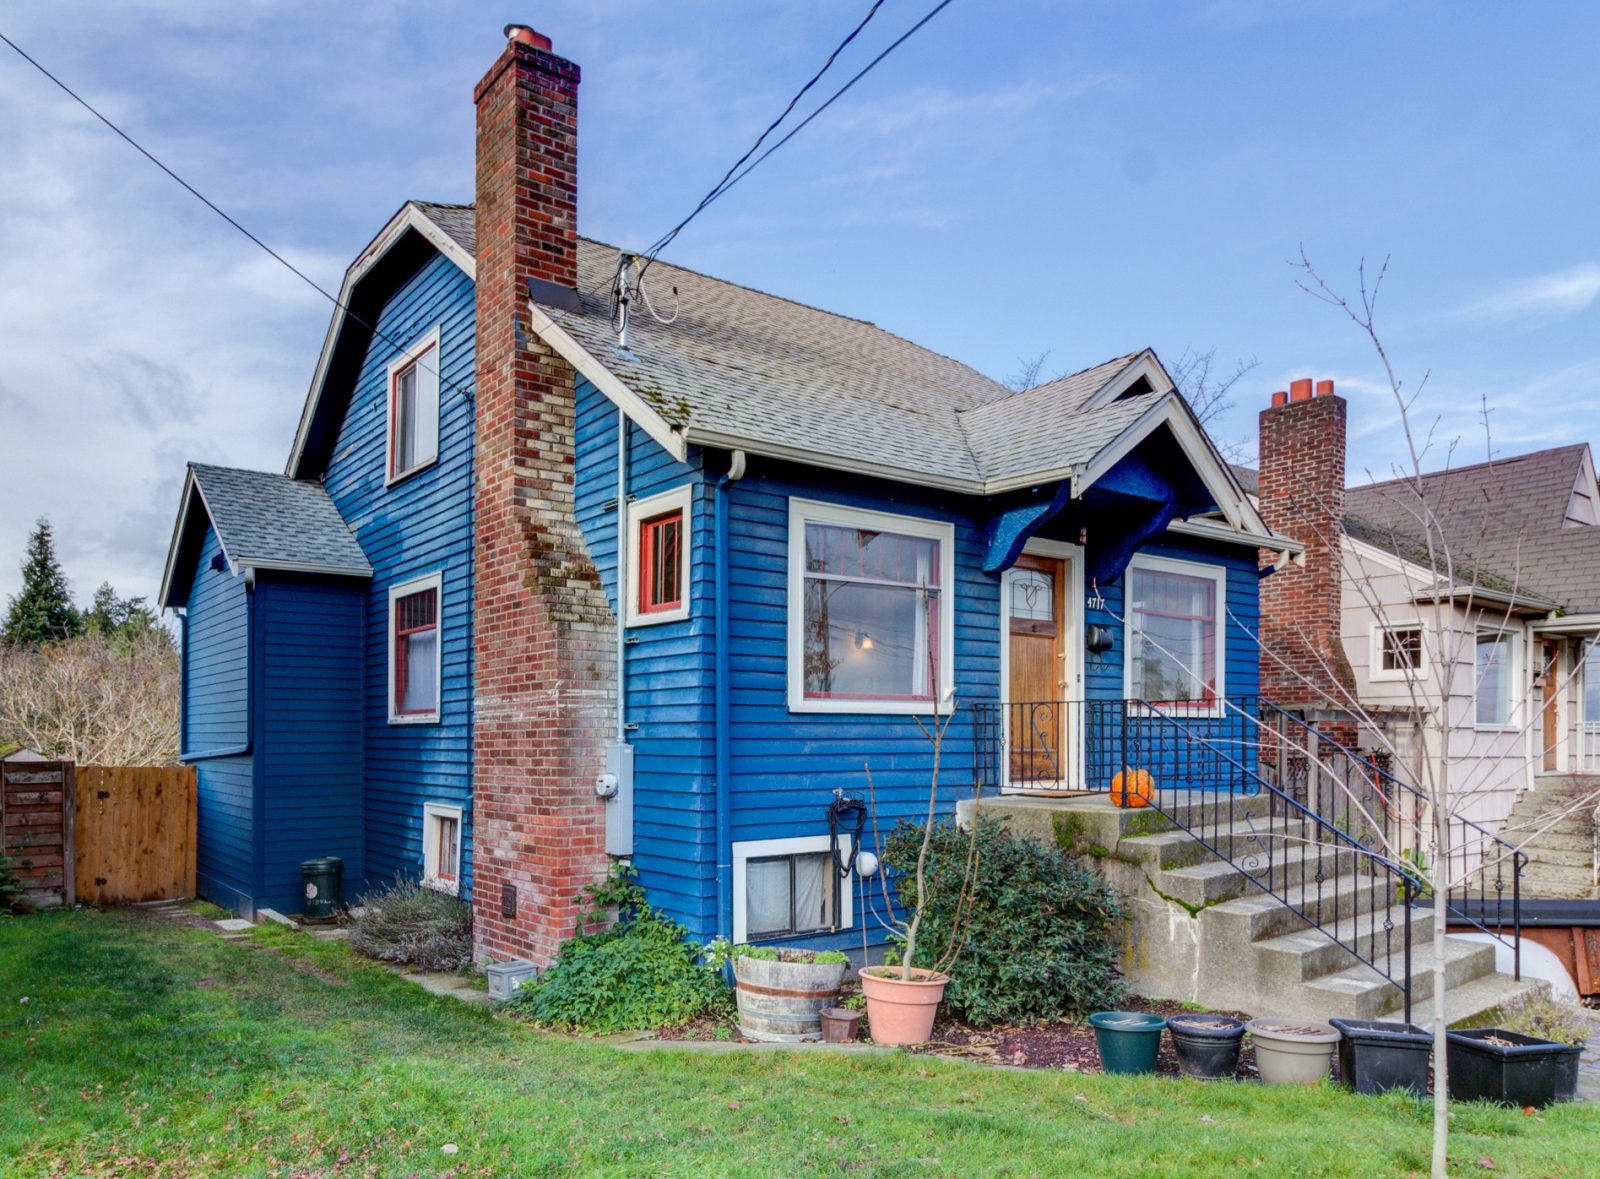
523 35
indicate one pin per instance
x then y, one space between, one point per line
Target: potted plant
1292 1051
1564 1023
1375 1056
782 992
1207 1045
1497 1064
1128 1040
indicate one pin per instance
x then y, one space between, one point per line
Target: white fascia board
252 564
408 218
1568 624
190 490
714 440
1227 534
1144 364
668 436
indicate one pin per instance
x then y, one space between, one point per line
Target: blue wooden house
554 577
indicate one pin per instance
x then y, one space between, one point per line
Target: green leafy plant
785 954
418 926
10 886
641 972
1546 1019
1414 866
1032 927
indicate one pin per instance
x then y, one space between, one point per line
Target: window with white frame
784 887
414 665
658 558
1493 676
414 408
870 621
441 846
1399 651
1174 621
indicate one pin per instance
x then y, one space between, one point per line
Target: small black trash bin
323 879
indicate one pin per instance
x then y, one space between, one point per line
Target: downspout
724 719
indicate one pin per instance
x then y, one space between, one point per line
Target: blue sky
1024 175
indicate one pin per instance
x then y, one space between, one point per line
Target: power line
210 204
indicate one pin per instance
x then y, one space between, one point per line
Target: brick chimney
544 666
1302 495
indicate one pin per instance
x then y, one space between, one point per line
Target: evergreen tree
121 621
43 612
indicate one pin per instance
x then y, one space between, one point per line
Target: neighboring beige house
1510 602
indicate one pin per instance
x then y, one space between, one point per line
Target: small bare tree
96 700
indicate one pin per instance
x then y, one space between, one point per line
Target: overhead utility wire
727 183
208 203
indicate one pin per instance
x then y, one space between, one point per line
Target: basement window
441 847
414 657
785 887
658 558
414 408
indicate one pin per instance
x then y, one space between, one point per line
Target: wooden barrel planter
782 1001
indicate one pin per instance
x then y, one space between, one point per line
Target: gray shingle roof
738 363
275 521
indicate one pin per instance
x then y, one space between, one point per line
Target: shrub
1548 1020
414 925
641 972
10 886
1035 929
784 954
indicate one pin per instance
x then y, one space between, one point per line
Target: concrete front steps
1201 930
1561 856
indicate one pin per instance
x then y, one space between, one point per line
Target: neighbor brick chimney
1302 456
544 667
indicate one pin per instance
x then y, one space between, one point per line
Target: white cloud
1544 297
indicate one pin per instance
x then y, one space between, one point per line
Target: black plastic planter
1207 1045
1519 1071
1376 1056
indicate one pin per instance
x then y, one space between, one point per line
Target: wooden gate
135 833
36 828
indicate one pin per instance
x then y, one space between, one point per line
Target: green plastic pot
1128 1040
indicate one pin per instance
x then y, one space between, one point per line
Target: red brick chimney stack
544 664
1302 495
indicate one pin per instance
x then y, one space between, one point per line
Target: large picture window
414 408
1174 613
870 617
414 651
1493 678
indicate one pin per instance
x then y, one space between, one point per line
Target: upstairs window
1174 632
1493 678
414 408
658 558
870 626
414 651
441 847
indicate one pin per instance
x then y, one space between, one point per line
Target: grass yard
156 1049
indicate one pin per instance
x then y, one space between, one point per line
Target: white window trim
1219 575
1513 675
430 861
1376 671
682 499
804 511
429 340
435 582
757 849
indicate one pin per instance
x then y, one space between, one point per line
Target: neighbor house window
441 846
414 408
1400 652
1493 678
1174 614
870 617
785 887
658 558
414 651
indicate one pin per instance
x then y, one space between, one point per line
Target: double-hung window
1174 613
414 651
658 558
414 408
1493 677
870 621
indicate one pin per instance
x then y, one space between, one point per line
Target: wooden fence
99 835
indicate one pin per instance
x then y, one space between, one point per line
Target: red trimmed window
416 653
1173 622
661 563
872 602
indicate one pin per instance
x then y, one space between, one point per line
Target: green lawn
162 1050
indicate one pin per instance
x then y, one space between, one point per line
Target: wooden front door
1550 680
1038 722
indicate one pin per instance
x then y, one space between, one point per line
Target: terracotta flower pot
901 1011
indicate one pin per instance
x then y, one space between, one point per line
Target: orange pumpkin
1132 788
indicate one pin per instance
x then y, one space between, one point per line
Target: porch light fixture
863 641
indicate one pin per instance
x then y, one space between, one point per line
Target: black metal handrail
1380 797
